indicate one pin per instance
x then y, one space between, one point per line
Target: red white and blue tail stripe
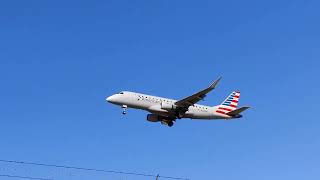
230 104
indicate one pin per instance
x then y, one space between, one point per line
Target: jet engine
162 119
154 118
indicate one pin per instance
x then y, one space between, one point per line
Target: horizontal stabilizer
237 111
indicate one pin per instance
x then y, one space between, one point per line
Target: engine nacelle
154 118
167 106
162 119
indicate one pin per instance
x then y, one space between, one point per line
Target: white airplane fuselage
167 110
164 106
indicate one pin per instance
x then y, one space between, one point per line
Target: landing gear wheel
124 109
170 123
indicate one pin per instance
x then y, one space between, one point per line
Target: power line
90 169
23 177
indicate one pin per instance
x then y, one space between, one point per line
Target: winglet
215 83
238 111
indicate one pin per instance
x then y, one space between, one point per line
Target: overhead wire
90 169
23 177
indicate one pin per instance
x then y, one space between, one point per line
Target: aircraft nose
110 98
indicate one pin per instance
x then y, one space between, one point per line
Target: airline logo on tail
230 104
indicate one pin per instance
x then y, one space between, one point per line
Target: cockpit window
121 93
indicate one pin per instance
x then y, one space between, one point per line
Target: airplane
167 111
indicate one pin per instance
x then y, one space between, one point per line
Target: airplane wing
191 100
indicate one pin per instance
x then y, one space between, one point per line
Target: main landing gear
124 109
168 123
179 114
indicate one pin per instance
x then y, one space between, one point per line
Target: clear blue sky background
60 59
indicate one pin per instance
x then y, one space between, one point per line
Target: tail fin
232 100
230 104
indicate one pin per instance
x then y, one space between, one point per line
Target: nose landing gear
124 109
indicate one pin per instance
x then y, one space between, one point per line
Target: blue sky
60 59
